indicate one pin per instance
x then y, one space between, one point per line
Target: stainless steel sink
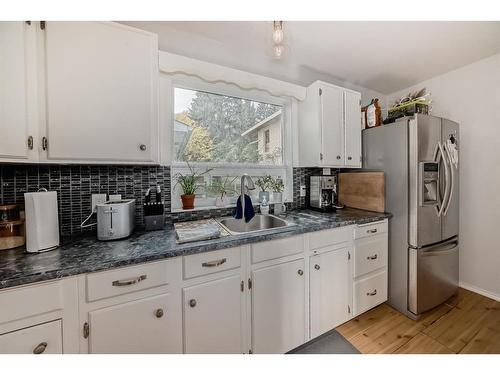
258 223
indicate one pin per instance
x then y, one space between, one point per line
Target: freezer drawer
433 275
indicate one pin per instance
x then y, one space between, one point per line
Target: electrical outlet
98 199
302 190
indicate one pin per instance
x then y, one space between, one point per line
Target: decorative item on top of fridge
371 115
414 102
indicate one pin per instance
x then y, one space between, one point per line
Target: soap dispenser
264 206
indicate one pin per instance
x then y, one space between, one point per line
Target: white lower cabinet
213 316
44 338
330 290
278 295
149 325
269 297
370 266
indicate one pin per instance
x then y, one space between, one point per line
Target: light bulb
278 36
278 50
278 32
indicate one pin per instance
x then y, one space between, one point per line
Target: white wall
471 97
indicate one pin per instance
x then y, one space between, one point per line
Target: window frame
221 88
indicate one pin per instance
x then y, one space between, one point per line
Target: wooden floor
467 323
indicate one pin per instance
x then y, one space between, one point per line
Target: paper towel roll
42 221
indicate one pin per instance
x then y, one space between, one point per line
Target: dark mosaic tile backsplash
75 184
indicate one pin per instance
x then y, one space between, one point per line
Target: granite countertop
86 254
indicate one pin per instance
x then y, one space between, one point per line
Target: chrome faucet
250 186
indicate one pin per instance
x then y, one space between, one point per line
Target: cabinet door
13 91
213 314
332 128
330 290
102 92
40 339
352 121
278 307
150 325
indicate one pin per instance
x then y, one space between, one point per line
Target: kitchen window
224 129
229 135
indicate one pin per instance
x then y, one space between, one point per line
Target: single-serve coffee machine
323 192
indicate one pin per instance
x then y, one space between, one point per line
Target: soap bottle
264 206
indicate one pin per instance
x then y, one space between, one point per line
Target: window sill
208 208
203 208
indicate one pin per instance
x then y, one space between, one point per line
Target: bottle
373 114
264 206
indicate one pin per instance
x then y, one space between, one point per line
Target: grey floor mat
330 343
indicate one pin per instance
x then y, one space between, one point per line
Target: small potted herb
189 185
278 187
264 183
221 188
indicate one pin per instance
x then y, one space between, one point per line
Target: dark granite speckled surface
89 255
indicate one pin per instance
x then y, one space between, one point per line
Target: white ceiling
382 56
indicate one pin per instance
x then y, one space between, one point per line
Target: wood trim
478 290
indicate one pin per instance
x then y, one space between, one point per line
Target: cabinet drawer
370 254
329 237
211 262
41 339
370 292
277 248
29 301
371 229
132 279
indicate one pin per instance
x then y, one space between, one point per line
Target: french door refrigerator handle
452 181
447 179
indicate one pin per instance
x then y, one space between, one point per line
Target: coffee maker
323 193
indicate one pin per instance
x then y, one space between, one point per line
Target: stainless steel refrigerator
419 156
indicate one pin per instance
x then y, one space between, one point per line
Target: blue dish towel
249 212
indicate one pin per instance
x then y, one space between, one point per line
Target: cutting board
363 190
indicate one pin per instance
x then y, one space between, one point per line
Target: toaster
115 219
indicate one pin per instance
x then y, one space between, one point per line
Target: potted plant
264 183
278 187
189 185
222 187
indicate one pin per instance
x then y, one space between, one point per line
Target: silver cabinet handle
371 231
214 263
159 313
372 293
40 348
373 257
133 281
30 142
45 143
192 302
338 157
317 267
349 158
142 147
300 272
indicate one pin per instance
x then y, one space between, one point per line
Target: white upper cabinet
16 139
352 124
330 127
101 93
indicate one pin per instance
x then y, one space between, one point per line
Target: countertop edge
188 249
